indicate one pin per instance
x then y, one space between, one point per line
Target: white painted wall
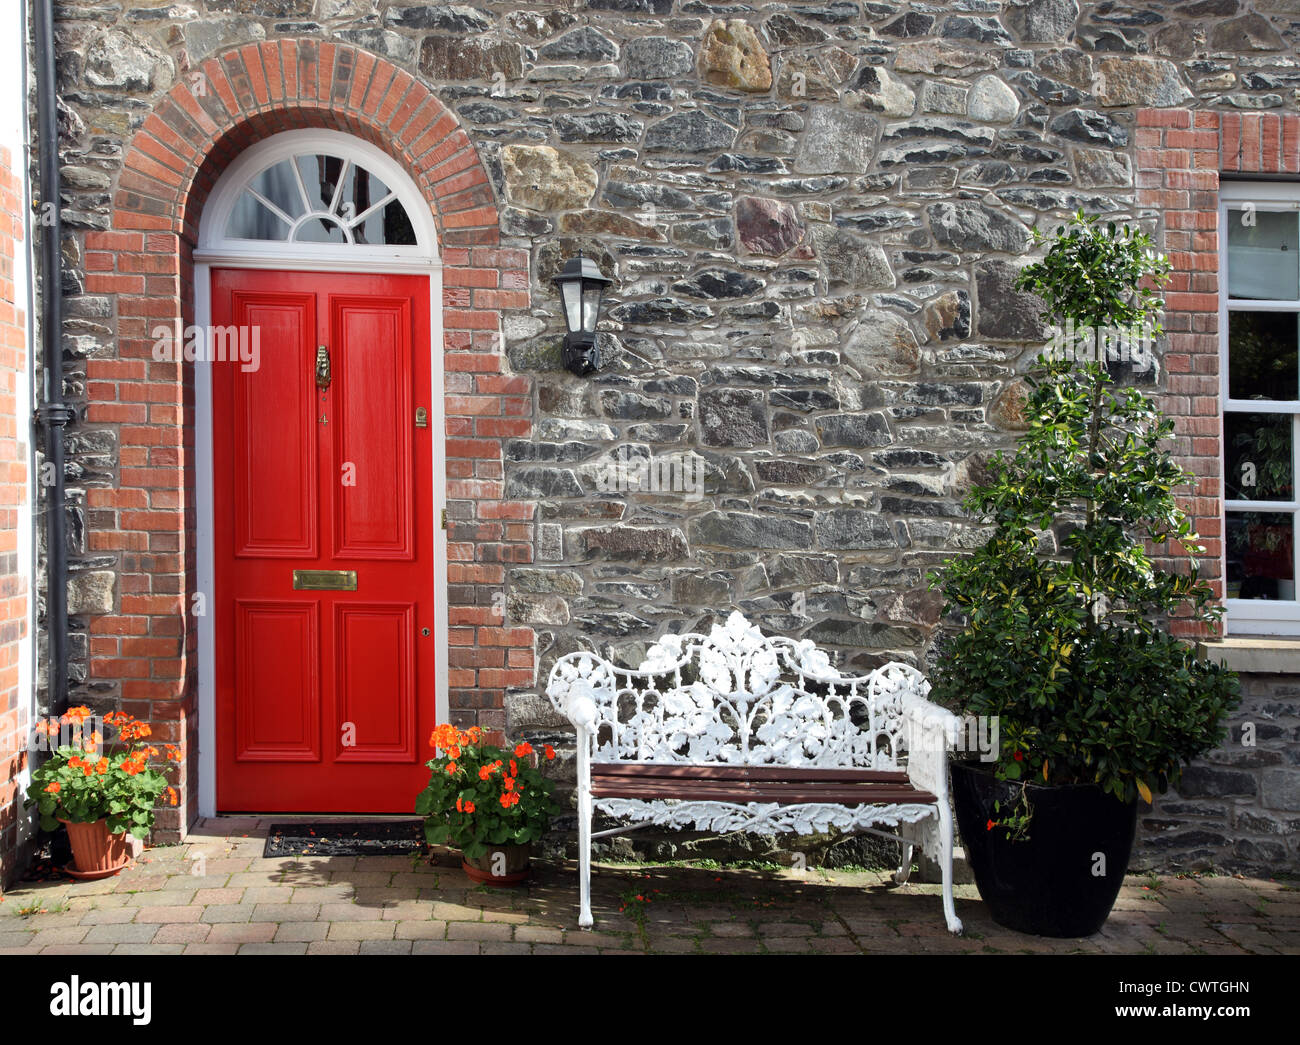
14 136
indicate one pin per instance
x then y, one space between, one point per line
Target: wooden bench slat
782 793
779 797
692 771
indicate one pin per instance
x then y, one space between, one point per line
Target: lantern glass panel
571 296
591 292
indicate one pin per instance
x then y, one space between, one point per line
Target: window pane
320 230
320 177
251 220
387 225
279 186
1260 555
1262 355
1263 254
361 190
1258 448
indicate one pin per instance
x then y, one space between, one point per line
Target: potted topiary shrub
1064 640
490 804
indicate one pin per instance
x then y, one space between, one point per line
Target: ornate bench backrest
738 697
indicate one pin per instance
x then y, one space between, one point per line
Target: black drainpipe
53 412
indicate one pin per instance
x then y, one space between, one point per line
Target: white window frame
216 250
1255 616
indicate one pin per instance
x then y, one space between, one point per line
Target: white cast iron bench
738 731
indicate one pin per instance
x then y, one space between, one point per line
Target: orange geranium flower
76 715
523 749
101 767
451 768
135 730
509 799
54 788
514 768
446 736
172 796
550 752
76 762
469 807
508 783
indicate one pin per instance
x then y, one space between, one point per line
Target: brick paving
216 894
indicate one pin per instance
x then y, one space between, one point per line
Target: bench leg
905 862
945 845
584 858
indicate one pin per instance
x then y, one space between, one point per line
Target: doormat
345 838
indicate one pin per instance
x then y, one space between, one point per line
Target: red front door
323 539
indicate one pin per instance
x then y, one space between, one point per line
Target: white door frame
216 251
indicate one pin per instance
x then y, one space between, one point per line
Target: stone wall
1239 807
813 213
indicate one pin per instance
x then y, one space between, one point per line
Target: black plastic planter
1047 884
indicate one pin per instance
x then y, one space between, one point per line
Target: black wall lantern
581 286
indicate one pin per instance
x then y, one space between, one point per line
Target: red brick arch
144 651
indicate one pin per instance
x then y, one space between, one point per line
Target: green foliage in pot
1065 635
480 796
91 779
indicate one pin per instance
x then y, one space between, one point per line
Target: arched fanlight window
316 197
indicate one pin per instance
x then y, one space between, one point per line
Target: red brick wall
1180 156
1178 176
147 649
15 725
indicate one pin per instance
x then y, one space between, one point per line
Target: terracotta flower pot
513 863
95 852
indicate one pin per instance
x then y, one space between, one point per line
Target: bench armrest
931 733
578 682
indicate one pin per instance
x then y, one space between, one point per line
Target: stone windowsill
1256 654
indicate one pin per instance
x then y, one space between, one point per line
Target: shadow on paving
218 894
